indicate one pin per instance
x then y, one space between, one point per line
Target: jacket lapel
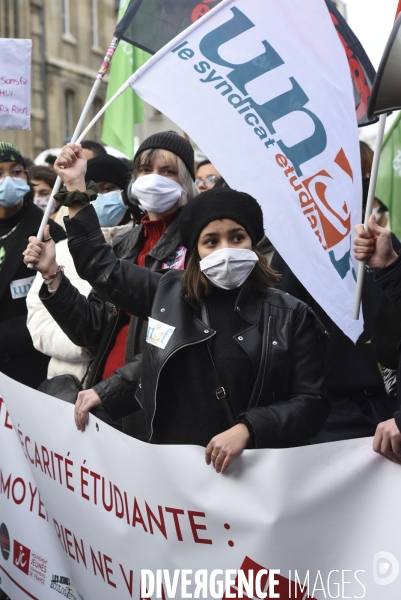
167 243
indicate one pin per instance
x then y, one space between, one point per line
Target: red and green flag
151 24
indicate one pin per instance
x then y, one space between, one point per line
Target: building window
65 17
69 113
95 25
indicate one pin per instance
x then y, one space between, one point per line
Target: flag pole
118 93
368 210
99 78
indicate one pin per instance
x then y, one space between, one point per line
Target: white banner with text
101 515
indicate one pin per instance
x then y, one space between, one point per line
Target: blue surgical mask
12 191
110 208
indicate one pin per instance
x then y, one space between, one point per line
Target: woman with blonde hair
229 362
162 182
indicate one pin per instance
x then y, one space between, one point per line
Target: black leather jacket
280 335
99 322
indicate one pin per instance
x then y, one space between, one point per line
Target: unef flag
265 92
151 24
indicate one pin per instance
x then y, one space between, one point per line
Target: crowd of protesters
164 309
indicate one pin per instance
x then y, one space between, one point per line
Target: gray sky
372 21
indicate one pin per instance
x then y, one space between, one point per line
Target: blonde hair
175 162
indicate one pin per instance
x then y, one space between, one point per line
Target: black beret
220 203
109 169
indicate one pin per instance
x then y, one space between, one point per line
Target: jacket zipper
115 314
264 368
160 370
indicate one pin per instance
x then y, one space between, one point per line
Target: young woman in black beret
230 362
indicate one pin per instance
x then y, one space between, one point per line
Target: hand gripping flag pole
385 97
368 210
99 78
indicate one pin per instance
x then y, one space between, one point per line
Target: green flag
388 188
128 109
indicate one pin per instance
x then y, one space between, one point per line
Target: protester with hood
376 247
19 219
358 397
163 181
229 362
111 176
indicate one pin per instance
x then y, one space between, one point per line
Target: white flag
264 88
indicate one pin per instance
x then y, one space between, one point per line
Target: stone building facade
69 41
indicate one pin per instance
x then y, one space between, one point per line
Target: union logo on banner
22 557
322 202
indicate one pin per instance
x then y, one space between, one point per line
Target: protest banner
310 522
29 553
274 112
15 84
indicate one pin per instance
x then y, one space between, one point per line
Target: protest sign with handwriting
15 84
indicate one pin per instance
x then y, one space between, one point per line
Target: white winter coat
47 336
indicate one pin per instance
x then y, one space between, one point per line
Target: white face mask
228 268
156 193
377 213
42 203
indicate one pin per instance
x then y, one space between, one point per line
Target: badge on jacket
20 287
159 333
176 260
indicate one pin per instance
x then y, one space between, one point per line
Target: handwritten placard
15 83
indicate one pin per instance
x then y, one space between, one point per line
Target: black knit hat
170 140
221 203
9 152
109 169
